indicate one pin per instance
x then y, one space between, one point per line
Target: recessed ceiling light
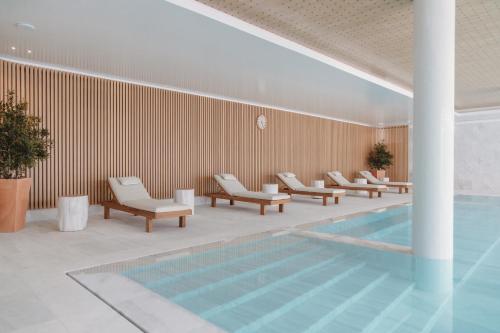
28 51
13 48
26 26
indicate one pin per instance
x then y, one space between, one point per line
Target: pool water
292 283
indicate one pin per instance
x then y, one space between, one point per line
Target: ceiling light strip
461 112
181 90
234 22
489 115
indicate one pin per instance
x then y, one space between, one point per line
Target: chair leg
262 209
231 202
149 224
337 200
325 200
380 194
281 208
182 221
400 190
407 190
214 203
370 194
106 213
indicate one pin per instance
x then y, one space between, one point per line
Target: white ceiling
156 42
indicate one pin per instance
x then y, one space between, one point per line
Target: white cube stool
73 212
386 179
185 197
360 181
318 184
270 188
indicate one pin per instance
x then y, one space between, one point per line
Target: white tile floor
37 296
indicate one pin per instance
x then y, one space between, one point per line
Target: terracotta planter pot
379 174
14 197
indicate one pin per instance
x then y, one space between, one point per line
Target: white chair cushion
371 179
230 186
289 175
345 183
261 195
367 186
156 205
292 182
228 176
322 190
338 178
125 193
126 181
398 183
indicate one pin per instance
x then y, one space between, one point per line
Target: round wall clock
261 122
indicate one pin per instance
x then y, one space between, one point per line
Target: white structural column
433 135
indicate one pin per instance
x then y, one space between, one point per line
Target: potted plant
379 159
23 143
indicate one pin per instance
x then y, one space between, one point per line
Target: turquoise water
291 283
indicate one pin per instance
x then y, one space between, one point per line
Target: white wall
477 153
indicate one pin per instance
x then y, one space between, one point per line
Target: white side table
270 188
360 181
73 212
185 197
318 184
386 179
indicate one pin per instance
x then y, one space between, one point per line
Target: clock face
261 121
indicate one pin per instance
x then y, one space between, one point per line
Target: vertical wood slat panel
104 128
397 140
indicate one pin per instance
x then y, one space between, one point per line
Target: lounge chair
340 182
129 195
294 186
233 190
372 180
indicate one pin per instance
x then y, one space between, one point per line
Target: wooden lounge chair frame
150 216
333 184
400 187
262 202
325 196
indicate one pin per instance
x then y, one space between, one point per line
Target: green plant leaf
23 142
380 158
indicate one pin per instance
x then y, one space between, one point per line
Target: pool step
268 287
382 224
372 308
382 233
254 258
321 324
423 312
252 272
283 301
391 326
414 312
356 224
242 290
170 270
381 317
364 291
196 284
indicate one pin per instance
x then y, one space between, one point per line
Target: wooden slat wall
396 139
172 140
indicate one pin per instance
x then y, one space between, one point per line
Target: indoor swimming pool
289 282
